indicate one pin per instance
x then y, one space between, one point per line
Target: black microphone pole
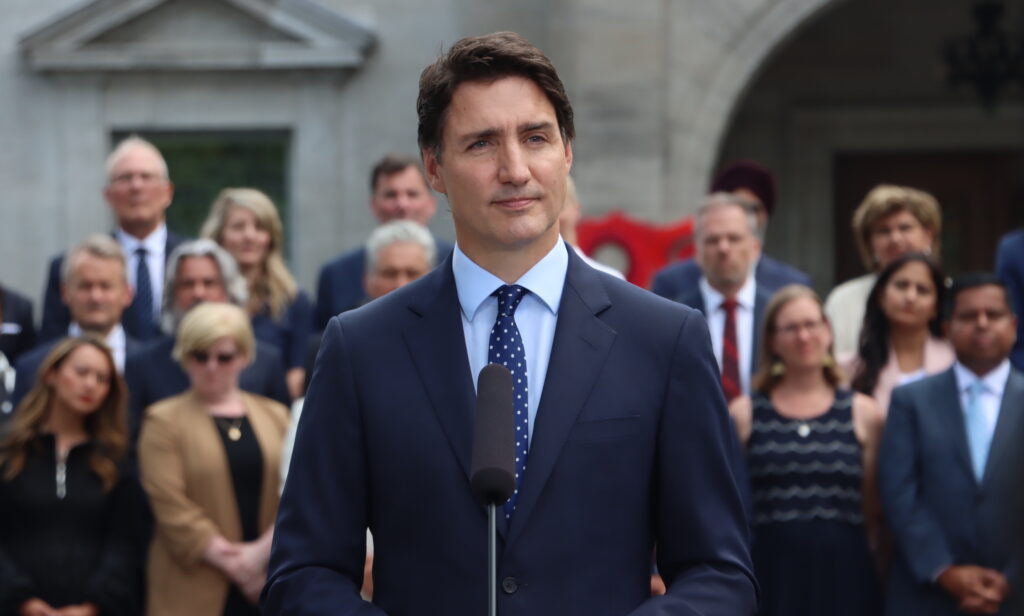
493 467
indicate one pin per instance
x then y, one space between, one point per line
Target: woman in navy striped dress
811 450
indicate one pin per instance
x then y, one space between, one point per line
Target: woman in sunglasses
67 509
209 460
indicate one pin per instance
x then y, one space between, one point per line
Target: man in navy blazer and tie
139 191
951 467
755 184
626 435
726 291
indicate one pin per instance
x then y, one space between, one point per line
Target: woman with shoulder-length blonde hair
811 449
209 460
67 511
247 224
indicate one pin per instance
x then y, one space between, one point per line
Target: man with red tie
725 232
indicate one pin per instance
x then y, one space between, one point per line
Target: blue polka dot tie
506 348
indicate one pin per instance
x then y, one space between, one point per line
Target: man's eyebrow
534 126
486 133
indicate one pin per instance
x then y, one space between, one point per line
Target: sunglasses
203 357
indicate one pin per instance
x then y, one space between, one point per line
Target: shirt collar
155 243
545 279
994 381
115 339
713 299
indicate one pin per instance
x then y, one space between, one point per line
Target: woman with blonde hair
67 510
246 223
890 222
209 460
811 452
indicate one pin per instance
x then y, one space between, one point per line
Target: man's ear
433 168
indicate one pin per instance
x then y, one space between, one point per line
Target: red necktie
730 352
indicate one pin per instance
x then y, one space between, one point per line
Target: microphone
493 468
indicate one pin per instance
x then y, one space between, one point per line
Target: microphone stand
492 559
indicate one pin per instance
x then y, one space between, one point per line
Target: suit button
509 585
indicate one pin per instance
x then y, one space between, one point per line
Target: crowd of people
149 420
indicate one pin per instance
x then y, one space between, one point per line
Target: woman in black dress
66 508
811 450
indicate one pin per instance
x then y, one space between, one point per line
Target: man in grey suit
950 467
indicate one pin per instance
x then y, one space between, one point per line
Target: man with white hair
138 191
198 271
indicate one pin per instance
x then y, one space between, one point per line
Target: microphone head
493 468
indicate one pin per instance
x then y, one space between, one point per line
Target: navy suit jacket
18 333
938 512
340 286
28 365
1010 267
152 375
632 447
680 278
56 317
761 298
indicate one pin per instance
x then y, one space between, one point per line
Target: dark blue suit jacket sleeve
1010 267
20 335
56 317
919 536
321 571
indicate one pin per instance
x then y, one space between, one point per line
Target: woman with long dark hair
66 508
901 339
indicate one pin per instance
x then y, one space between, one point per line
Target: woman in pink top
901 339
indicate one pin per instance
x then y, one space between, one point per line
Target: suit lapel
1007 435
946 403
438 350
580 347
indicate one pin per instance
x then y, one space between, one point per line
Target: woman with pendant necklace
67 509
811 449
209 460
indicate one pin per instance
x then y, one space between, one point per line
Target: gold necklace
233 428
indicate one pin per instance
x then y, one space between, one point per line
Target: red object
647 247
730 351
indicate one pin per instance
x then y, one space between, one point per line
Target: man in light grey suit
950 468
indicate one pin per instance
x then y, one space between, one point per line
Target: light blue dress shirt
536 316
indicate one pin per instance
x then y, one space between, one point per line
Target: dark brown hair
392 164
105 426
486 58
764 381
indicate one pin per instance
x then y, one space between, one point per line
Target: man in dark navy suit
756 184
950 468
399 192
139 191
622 436
198 271
94 287
17 335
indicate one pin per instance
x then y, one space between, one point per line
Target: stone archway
713 58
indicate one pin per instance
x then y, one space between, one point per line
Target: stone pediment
144 35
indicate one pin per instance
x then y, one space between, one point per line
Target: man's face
137 191
981 327
198 280
397 265
503 166
403 196
96 293
726 248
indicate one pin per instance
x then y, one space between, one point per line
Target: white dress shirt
536 316
116 341
155 244
991 397
745 299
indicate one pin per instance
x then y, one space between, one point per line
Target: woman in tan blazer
209 460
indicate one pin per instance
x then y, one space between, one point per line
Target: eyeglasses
794 329
203 357
146 177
